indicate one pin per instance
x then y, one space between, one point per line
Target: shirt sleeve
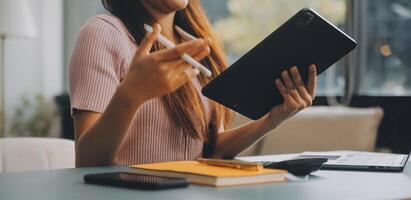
95 66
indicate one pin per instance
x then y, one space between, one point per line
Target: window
386 46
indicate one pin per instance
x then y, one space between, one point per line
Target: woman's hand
159 73
297 96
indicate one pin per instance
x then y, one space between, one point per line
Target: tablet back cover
248 85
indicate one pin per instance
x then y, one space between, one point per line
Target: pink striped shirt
100 60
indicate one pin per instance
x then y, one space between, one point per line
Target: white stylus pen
168 44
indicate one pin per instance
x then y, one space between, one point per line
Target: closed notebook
204 174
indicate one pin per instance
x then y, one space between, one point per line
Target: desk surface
68 184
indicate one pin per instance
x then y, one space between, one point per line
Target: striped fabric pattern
100 60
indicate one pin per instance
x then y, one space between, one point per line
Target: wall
76 12
35 65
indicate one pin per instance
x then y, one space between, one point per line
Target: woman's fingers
287 80
283 90
190 73
299 84
179 50
148 41
185 76
312 81
179 65
184 34
288 99
199 55
291 87
295 74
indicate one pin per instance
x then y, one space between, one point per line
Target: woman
140 105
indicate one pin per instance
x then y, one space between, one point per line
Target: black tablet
248 87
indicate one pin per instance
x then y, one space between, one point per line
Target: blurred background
376 76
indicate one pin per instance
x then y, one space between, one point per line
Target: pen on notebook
232 164
168 44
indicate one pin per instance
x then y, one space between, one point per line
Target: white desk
68 184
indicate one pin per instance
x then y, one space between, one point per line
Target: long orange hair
184 105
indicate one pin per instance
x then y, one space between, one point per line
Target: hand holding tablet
307 38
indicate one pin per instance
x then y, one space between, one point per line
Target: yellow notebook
204 174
